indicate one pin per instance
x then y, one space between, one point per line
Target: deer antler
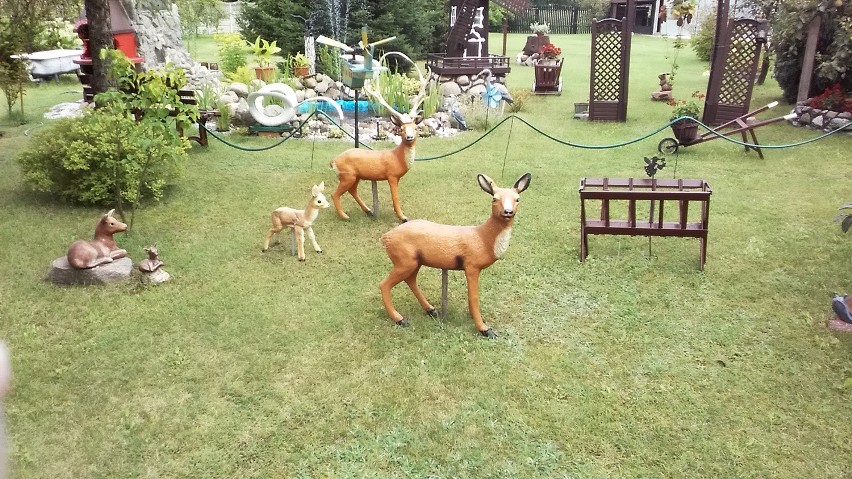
416 102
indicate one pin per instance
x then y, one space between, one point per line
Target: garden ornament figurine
83 254
495 93
299 220
356 164
152 267
457 114
153 262
838 304
470 248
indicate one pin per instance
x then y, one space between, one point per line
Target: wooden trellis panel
733 72
610 70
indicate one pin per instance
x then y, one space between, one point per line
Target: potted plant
263 51
540 28
301 65
548 54
685 129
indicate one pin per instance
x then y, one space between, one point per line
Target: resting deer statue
470 248
83 254
356 164
299 220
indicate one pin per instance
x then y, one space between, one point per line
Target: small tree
13 73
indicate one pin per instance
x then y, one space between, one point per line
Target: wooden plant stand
548 79
631 190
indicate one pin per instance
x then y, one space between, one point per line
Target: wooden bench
187 97
681 192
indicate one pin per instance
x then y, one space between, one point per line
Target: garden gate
610 67
733 71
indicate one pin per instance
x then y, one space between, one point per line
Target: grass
256 365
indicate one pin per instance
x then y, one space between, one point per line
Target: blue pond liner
348 106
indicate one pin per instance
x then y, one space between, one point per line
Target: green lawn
256 365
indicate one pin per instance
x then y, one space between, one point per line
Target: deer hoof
489 333
319 251
402 323
302 260
433 313
370 213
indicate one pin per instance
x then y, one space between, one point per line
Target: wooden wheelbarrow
737 125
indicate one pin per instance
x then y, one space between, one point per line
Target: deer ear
523 182
109 213
315 191
322 186
486 183
418 118
395 120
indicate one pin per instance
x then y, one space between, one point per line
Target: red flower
550 51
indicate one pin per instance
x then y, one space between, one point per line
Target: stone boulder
63 273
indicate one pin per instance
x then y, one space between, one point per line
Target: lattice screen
732 78
608 82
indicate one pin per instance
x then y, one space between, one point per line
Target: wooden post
810 56
444 291
293 251
505 32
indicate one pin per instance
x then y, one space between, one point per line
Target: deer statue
469 248
299 220
356 164
83 254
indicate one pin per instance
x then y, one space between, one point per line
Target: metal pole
444 292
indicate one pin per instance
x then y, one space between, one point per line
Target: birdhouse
123 33
123 39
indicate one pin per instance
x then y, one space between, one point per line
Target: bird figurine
838 304
495 92
457 115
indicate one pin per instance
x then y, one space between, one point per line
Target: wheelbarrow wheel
668 146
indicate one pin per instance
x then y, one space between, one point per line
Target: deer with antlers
469 248
356 164
300 220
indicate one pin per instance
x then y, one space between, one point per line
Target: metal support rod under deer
469 248
356 164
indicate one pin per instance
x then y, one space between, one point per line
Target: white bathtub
51 62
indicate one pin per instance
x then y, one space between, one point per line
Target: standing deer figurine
83 254
356 164
300 221
469 248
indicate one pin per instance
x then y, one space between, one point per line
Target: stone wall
158 29
825 120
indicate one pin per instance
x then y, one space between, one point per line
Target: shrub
703 40
519 97
232 51
127 150
13 72
834 46
833 98
57 33
100 159
328 61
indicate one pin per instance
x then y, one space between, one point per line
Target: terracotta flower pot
301 72
264 73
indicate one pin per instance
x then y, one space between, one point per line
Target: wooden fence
561 20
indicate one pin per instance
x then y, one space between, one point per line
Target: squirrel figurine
153 262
